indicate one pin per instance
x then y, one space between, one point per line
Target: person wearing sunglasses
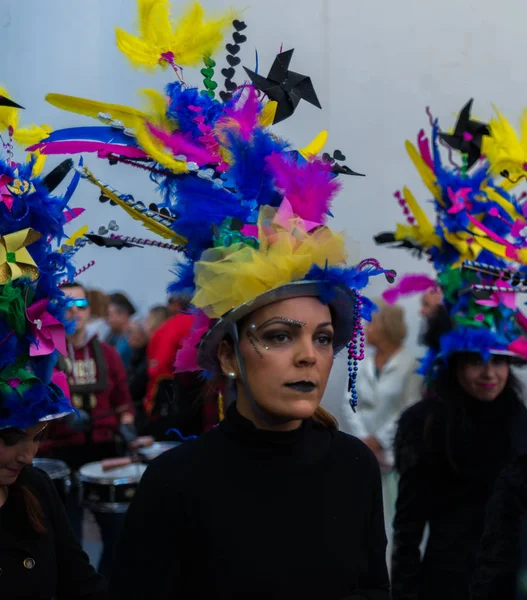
99 388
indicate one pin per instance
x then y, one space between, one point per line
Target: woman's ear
227 358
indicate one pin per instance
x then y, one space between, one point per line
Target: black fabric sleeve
77 579
411 509
496 571
147 563
375 584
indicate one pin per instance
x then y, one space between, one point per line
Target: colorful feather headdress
478 241
32 264
247 212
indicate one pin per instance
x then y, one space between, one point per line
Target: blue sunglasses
78 302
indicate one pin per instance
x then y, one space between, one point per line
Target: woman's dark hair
27 511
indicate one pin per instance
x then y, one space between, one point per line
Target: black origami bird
467 136
6 102
284 86
388 237
109 242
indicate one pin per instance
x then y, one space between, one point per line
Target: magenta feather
187 355
76 147
309 185
424 148
180 144
72 213
407 286
245 112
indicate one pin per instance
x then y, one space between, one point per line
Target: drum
109 491
59 473
148 454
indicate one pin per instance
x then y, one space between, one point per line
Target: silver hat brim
342 305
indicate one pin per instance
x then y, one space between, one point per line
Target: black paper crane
109 242
6 102
284 86
467 136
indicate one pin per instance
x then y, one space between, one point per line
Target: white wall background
375 64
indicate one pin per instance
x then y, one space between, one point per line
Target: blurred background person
172 400
97 323
138 367
119 312
157 315
387 384
99 390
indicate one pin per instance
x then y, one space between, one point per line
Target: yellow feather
191 38
150 224
38 165
268 113
154 20
75 236
91 108
423 222
139 52
156 107
315 146
424 170
156 150
32 134
194 38
503 149
8 114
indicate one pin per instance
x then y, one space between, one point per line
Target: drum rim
108 479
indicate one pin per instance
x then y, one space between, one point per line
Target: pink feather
102 149
424 149
72 213
245 113
407 286
187 355
309 186
183 145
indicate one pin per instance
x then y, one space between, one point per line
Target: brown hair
392 321
98 303
28 507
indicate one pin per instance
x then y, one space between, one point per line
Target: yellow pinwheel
15 260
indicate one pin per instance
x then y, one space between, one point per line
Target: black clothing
504 539
244 513
447 474
48 565
138 383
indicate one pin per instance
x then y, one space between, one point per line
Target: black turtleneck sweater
448 465
253 514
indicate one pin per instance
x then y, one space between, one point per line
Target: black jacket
504 539
448 470
243 513
46 566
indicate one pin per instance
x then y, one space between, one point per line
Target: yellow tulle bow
226 277
185 42
15 260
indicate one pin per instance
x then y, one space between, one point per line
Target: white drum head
128 474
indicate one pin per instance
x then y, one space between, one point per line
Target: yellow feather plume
503 149
91 108
189 40
315 145
8 114
424 170
28 136
150 224
80 233
268 113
